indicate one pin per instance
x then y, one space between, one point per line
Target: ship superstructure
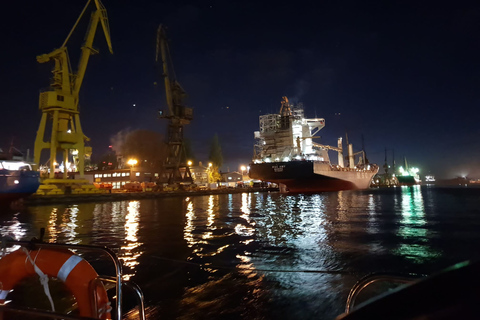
408 175
285 153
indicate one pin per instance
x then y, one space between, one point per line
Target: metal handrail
135 287
373 278
117 279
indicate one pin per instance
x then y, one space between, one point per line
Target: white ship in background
286 154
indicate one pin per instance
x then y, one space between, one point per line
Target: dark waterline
266 255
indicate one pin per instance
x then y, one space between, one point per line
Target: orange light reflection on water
128 254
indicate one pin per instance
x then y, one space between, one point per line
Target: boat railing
375 278
116 280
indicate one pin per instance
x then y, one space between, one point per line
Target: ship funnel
340 153
351 162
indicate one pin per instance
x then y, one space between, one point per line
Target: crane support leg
39 143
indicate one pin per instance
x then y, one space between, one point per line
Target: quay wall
35 200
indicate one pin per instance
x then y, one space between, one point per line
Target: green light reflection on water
413 227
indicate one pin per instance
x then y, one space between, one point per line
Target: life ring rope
75 272
43 277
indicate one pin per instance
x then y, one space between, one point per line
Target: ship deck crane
178 115
59 104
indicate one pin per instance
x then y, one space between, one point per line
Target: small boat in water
94 296
17 180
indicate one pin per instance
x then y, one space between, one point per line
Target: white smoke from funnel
301 88
118 140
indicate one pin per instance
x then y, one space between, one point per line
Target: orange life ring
76 273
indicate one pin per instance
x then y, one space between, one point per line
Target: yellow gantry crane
59 104
178 115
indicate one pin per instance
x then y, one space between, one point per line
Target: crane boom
161 53
174 93
100 15
59 104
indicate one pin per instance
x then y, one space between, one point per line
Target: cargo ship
408 176
286 154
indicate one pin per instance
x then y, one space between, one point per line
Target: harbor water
265 255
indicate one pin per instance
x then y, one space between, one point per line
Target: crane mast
178 115
59 104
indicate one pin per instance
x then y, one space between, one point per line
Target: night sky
405 75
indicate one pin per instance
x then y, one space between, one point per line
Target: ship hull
407 180
17 184
310 176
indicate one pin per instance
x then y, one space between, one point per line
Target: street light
243 168
209 173
189 163
132 163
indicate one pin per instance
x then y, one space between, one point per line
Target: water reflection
211 223
69 225
294 235
219 230
189 223
413 227
13 229
128 254
247 227
52 226
224 256
210 219
62 223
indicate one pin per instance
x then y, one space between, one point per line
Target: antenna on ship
385 166
365 152
393 157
